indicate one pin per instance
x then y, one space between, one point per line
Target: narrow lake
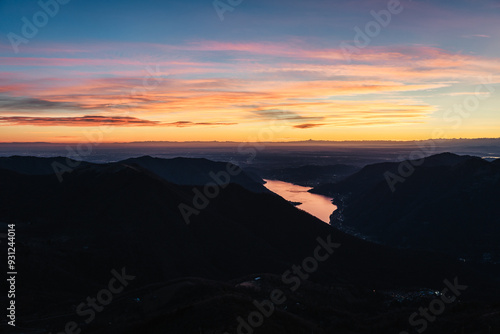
317 205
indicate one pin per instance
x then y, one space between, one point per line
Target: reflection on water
317 205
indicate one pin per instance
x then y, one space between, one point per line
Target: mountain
374 174
448 204
202 276
180 171
39 166
196 171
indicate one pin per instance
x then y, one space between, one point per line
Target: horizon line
241 142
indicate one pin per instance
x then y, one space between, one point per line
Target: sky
248 70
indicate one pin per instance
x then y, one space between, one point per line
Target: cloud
181 124
283 115
476 36
97 121
468 93
16 104
307 125
301 82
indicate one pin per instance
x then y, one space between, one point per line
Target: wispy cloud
476 36
182 124
284 115
212 83
307 125
13 104
98 121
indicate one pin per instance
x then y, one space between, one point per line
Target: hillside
449 204
202 276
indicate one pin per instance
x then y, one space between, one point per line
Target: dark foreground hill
448 204
201 277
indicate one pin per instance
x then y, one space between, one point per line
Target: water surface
317 205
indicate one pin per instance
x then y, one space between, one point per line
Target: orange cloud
307 125
251 83
97 121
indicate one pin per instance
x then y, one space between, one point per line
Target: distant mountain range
449 204
460 141
200 277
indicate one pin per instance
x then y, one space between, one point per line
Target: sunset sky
175 71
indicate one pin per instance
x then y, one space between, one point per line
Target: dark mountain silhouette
449 204
190 171
182 171
38 166
371 175
200 277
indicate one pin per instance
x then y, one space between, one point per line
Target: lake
317 205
